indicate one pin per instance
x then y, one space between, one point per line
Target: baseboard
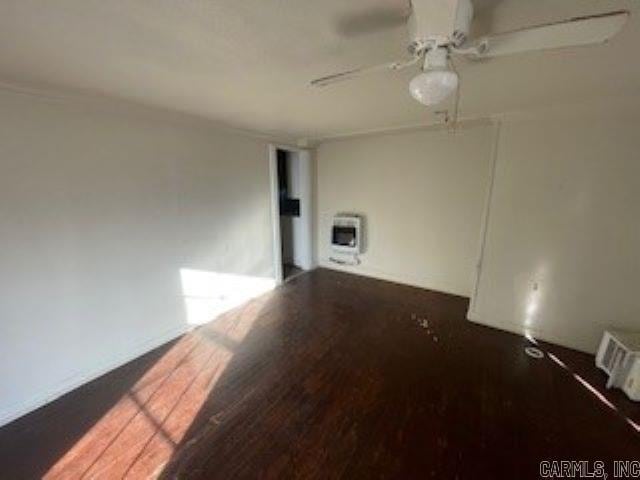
296 275
16 411
389 277
522 331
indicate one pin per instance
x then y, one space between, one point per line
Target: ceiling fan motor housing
431 25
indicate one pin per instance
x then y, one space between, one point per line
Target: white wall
302 226
562 251
422 194
103 214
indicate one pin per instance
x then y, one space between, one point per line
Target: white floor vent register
619 357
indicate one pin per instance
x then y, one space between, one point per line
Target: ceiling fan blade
574 32
357 72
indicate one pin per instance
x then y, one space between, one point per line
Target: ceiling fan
439 29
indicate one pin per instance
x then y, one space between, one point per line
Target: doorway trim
306 209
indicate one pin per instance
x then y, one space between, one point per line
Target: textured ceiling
247 63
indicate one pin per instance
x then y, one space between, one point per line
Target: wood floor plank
331 376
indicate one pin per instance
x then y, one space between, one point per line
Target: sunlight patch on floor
593 390
140 433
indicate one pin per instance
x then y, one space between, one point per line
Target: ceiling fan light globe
432 87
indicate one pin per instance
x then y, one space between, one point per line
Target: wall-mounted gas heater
619 357
346 234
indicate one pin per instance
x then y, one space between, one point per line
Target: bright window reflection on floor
594 391
141 432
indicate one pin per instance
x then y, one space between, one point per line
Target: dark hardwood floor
331 376
290 271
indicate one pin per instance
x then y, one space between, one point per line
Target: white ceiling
247 63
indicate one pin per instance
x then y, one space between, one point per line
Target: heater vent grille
613 354
619 357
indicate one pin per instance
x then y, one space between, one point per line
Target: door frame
306 207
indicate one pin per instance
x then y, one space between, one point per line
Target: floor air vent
619 357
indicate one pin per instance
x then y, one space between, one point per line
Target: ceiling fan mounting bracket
430 24
417 48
